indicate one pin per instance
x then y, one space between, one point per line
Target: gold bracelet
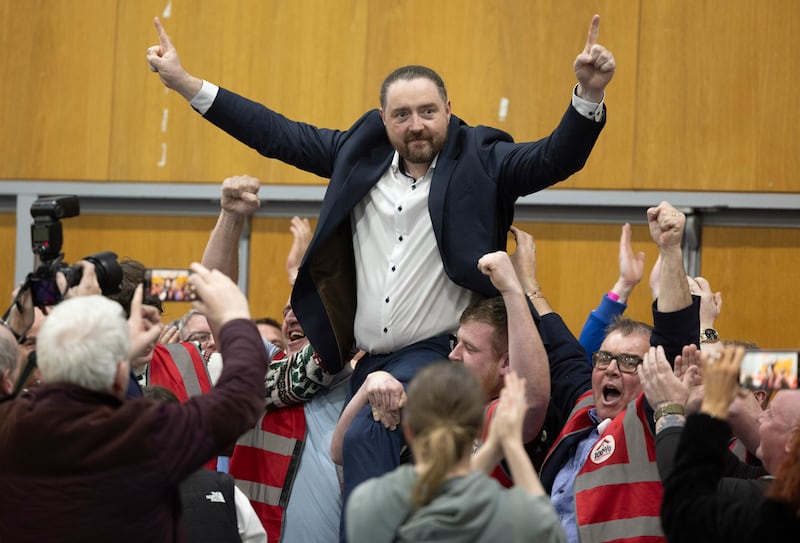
534 295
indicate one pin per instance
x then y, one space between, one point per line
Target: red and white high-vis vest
265 461
618 490
180 368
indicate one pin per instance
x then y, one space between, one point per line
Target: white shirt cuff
208 93
588 109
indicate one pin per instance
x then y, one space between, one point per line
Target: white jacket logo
603 450
215 497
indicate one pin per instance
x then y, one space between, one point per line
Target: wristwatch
709 335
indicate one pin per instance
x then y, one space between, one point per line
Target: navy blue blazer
479 175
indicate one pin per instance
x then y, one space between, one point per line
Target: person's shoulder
480 133
395 485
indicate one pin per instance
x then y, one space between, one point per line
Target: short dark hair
160 393
626 326
491 311
268 321
412 72
132 277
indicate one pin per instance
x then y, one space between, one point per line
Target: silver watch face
709 334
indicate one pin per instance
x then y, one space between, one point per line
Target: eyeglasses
627 363
202 338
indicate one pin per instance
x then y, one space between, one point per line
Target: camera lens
108 270
106 267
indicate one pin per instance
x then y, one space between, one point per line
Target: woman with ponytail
440 498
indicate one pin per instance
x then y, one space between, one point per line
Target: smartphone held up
769 370
169 284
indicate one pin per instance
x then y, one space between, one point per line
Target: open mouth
611 394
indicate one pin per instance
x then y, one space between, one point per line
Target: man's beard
416 154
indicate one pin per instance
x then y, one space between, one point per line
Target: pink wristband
613 296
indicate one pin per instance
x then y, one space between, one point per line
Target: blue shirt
563 494
594 329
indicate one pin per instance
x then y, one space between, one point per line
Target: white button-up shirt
404 294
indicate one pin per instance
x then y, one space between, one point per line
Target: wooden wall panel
8 247
55 88
756 270
523 51
577 264
304 59
715 108
156 241
269 288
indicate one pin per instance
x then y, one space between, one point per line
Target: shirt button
399 208
400 238
387 300
393 268
385 330
413 187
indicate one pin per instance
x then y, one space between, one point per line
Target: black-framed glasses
201 338
627 363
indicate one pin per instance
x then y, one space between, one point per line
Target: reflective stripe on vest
180 368
577 422
618 490
264 464
187 368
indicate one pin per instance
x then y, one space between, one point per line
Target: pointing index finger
594 33
162 35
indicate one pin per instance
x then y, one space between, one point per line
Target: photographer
106 469
25 318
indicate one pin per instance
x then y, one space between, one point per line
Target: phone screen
169 284
769 370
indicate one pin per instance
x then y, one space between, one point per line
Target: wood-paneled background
702 100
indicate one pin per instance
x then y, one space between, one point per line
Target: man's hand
594 66
301 234
144 326
22 314
386 396
631 267
87 286
240 195
219 299
524 260
687 369
659 382
721 377
170 334
710 302
506 424
163 59
666 225
498 267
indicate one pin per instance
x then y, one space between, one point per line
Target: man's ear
761 397
504 365
383 117
119 387
7 386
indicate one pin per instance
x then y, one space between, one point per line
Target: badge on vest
603 450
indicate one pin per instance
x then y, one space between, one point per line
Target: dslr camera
46 241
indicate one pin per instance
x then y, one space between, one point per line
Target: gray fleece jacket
474 508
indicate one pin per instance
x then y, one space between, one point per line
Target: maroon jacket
79 465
